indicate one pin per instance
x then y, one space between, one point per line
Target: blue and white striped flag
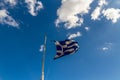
65 48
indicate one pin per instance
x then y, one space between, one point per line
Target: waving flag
65 48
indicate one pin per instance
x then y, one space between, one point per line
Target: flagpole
43 58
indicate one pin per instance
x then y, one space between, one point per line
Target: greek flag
65 48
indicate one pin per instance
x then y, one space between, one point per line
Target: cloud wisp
41 48
87 28
106 47
97 12
34 6
5 18
10 2
74 35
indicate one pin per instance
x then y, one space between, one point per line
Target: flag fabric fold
65 47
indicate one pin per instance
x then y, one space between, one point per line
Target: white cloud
11 2
106 46
97 12
71 11
87 28
41 48
102 2
5 18
34 6
112 14
74 35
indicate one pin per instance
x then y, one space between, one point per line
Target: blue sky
92 23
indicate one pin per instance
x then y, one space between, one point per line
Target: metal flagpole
43 59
